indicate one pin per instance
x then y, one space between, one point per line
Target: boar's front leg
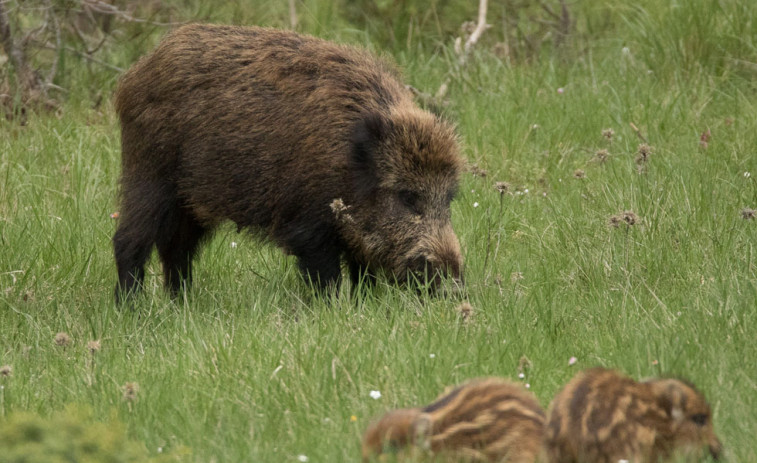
360 275
318 250
321 268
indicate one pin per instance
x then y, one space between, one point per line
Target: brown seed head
502 187
524 363
130 391
62 339
484 420
501 50
704 139
608 134
579 174
626 217
630 218
477 171
748 214
339 209
604 416
643 153
6 371
93 346
465 310
337 206
468 27
601 155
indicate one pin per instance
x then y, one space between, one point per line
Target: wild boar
315 146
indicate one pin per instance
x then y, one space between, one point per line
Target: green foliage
70 436
403 24
693 35
249 367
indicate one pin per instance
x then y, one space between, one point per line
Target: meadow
625 237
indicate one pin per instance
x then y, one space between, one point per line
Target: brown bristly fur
485 420
602 416
267 128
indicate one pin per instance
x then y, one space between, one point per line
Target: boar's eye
700 419
410 200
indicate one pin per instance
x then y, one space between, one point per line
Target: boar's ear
367 135
368 132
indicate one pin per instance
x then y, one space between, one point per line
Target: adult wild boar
317 146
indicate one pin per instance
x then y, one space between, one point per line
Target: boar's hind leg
150 214
177 243
132 245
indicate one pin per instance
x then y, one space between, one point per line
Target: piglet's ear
670 397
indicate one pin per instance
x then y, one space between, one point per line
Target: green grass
250 368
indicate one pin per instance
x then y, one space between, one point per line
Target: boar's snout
436 258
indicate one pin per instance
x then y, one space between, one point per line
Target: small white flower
623 461
535 126
302 458
233 244
160 449
473 191
560 90
528 386
572 361
626 51
432 356
475 204
525 191
521 375
747 175
375 395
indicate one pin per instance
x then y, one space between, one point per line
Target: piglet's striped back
487 419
